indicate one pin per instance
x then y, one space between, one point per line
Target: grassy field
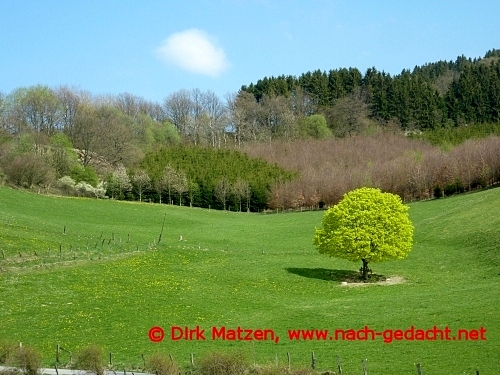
106 281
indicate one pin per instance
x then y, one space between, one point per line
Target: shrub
90 359
100 190
67 184
86 174
279 370
28 359
84 189
269 370
3 178
28 170
223 364
302 371
7 349
160 364
70 187
314 126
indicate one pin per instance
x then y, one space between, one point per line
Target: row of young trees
324 170
411 168
207 177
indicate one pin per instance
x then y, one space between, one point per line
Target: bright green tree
314 126
366 225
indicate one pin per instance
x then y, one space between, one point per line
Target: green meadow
76 272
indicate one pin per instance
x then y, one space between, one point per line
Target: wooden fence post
339 365
365 372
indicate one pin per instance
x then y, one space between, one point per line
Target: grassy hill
106 281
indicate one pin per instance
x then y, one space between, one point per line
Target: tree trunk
365 269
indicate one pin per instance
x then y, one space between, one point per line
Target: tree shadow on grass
333 275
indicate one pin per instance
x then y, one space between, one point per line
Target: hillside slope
249 270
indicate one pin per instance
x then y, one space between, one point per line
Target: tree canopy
431 96
294 122
366 225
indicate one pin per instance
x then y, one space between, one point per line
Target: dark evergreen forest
435 95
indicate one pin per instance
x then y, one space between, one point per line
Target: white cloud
195 51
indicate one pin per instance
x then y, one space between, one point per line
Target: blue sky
154 48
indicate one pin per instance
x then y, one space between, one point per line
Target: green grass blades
112 282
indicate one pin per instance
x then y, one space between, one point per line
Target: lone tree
366 225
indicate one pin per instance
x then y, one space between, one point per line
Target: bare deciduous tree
277 116
71 101
180 184
348 112
244 116
86 135
215 113
222 191
41 109
241 190
103 131
178 108
168 180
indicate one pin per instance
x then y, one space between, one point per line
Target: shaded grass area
248 270
333 275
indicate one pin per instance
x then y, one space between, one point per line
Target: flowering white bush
100 190
82 188
67 184
119 183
